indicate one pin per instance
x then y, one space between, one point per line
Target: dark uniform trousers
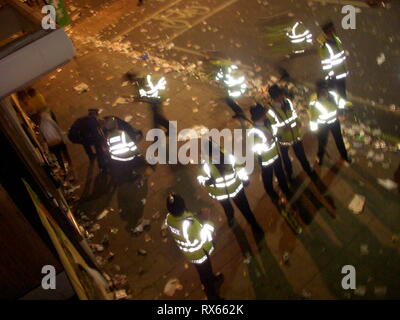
241 202
337 135
267 177
208 279
301 156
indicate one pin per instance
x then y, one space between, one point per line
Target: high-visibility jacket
285 123
121 146
264 147
300 37
221 187
193 238
333 58
153 87
325 111
233 79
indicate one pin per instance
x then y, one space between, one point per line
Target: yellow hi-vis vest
333 58
121 146
300 37
233 80
153 88
285 124
222 187
324 111
193 238
264 147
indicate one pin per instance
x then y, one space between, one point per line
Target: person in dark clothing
87 132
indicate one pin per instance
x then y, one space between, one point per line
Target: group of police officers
275 128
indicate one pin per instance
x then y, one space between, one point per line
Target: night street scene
180 150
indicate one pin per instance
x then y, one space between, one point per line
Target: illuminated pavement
369 241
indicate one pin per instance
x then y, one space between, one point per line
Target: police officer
266 148
121 139
300 37
333 58
223 178
285 121
324 109
194 239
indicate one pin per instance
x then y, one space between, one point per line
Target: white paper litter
387 184
102 215
82 87
171 287
357 204
381 59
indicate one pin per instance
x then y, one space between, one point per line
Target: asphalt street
172 38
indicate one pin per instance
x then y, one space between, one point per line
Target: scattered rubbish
306 294
120 280
82 87
114 230
360 291
97 247
186 265
147 237
380 59
380 291
144 225
364 249
124 84
128 118
143 201
95 227
120 100
102 215
286 258
110 256
120 294
156 215
357 204
142 252
387 184
100 260
172 286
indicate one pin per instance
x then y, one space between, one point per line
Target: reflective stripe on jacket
192 238
325 111
121 146
221 187
264 147
233 80
333 58
285 123
299 37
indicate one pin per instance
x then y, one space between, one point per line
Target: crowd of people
275 127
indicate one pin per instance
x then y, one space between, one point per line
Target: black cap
175 204
327 26
96 111
257 111
275 91
321 84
